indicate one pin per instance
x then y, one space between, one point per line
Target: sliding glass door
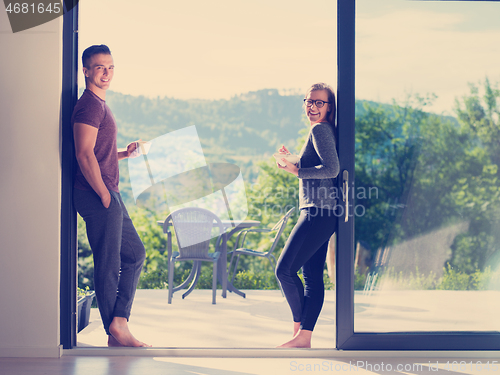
421 263
418 247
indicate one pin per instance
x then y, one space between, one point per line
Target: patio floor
263 318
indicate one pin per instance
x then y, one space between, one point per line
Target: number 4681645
33 8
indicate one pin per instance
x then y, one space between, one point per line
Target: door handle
345 193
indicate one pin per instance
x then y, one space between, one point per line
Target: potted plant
85 298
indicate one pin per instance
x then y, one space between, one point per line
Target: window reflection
428 251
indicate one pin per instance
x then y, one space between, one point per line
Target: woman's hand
289 167
284 150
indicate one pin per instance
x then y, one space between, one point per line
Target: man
118 251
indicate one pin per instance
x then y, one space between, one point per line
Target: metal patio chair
278 228
193 231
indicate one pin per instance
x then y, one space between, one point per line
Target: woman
307 245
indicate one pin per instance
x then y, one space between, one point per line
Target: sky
221 48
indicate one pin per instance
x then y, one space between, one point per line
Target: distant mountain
254 123
241 130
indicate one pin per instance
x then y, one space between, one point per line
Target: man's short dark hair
94 50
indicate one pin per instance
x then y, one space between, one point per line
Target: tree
273 194
477 192
399 159
85 257
431 171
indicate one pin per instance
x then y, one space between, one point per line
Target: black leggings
306 247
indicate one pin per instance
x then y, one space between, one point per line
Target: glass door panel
237 70
427 189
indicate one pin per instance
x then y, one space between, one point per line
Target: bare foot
296 328
120 334
301 340
112 342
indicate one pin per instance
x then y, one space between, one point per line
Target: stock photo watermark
357 196
379 367
24 15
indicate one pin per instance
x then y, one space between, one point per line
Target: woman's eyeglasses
317 103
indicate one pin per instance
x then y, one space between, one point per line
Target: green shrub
82 292
85 258
479 280
158 279
242 280
487 280
453 280
359 280
250 280
407 281
153 280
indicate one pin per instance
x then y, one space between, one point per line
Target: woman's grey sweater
318 167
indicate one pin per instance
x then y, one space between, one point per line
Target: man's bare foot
120 334
301 340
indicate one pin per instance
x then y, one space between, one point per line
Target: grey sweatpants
118 253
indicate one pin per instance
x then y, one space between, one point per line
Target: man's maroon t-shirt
93 111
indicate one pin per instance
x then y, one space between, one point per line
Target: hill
242 130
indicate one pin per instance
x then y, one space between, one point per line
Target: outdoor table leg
197 272
188 280
223 279
222 269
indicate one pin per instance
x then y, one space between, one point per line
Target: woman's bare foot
112 342
301 340
296 328
121 336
